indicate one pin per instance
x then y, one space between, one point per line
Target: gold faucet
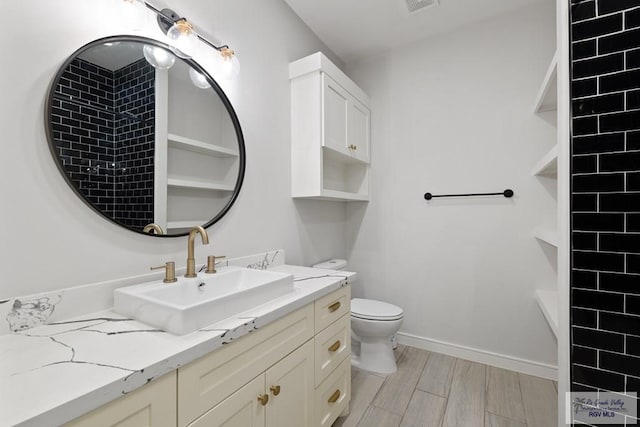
153 227
191 260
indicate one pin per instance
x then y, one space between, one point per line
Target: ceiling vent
416 5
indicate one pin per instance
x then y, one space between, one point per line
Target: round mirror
147 139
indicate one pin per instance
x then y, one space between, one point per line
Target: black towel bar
506 193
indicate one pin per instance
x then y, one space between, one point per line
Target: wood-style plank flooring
435 390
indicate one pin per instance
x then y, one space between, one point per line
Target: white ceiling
113 56
356 29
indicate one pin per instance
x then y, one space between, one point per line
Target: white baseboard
481 356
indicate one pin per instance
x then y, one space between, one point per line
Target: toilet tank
332 264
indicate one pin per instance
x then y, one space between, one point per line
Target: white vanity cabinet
282 396
292 372
330 132
151 405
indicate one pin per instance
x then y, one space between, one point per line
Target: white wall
51 240
453 114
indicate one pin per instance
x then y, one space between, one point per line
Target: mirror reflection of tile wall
103 125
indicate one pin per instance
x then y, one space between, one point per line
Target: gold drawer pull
275 389
263 399
333 307
335 346
334 397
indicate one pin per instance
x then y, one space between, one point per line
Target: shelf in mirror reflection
198 185
175 225
184 143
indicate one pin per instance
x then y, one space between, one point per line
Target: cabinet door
151 405
204 383
241 409
335 107
290 384
359 134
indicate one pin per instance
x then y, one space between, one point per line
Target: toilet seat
368 309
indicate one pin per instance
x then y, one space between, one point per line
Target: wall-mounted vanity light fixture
183 39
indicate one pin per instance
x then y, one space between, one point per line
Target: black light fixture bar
167 17
506 193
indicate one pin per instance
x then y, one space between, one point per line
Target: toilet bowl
373 323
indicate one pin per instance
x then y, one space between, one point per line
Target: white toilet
373 323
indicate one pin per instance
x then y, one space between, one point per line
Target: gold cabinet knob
263 399
333 307
275 389
334 397
335 346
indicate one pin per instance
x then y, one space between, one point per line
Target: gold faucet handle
169 271
211 263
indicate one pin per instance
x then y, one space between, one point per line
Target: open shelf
548 303
548 165
172 225
200 185
547 99
547 236
183 143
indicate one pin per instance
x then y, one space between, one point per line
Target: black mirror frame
194 65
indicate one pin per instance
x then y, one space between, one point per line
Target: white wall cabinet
345 121
330 132
289 373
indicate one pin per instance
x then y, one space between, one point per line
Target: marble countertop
53 373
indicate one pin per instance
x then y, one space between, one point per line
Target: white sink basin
191 304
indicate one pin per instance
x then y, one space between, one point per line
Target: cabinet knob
263 399
353 147
334 397
275 389
335 346
333 307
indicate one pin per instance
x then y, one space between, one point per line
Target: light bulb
198 79
227 64
183 39
133 15
158 57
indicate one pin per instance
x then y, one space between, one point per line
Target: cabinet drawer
332 345
332 307
207 381
151 405
333 395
